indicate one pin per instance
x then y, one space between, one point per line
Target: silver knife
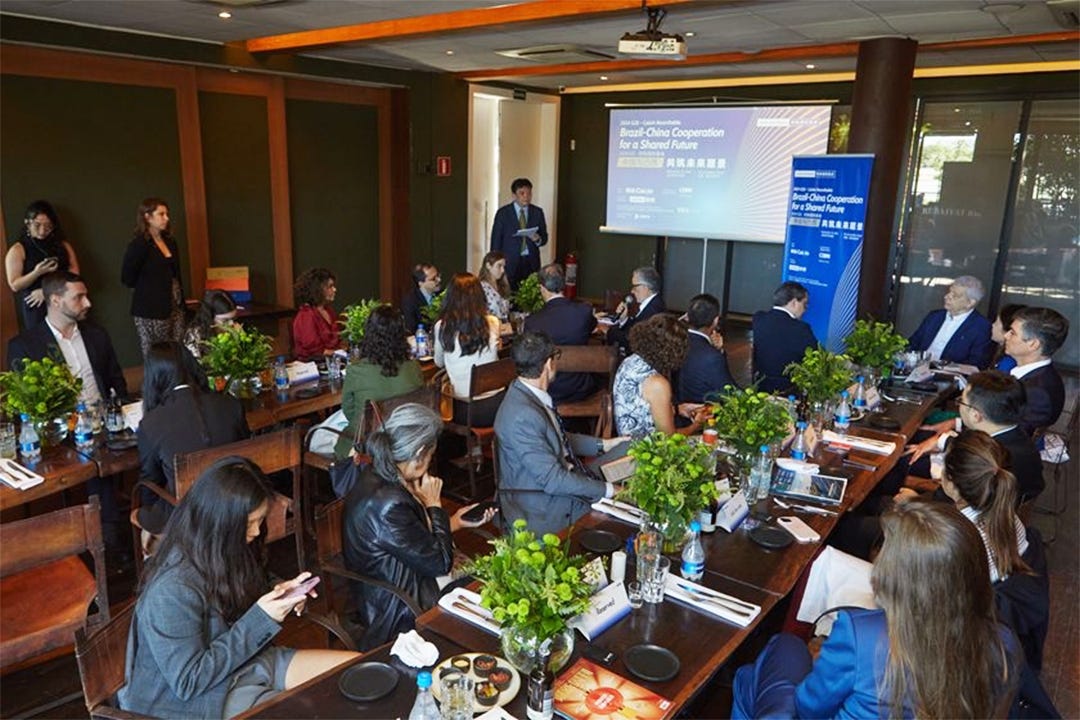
702 597
17 469
713 595
460 605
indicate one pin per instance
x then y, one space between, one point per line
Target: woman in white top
466 336
496 287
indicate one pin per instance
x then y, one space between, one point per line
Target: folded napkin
17 476
620 510
414 650
725 607
879 447
798 466
465 604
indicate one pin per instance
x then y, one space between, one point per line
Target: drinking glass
649 546
653 586
8 441
633 594
457 697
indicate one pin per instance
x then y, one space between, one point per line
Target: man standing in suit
426 281
566 322
1035 335
705 372
84 346
541 477
522 250
781 337
957 333
645 287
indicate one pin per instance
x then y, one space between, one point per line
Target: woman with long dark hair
152 269
496 287
41 248
315 328
216 310
178 418
467 335
396 529
385 369
934 650
199 642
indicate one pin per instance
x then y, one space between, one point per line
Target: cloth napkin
414 650
620 510
465 604
674 588
20 478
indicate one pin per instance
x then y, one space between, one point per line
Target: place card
733 512
606 608
132 413
302 372
873 397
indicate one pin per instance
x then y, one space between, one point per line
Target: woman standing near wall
152 269
40 249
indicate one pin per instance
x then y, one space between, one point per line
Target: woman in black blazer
152 268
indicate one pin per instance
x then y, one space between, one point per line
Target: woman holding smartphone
40 250
200 639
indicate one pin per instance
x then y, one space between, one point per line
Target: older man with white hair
957 333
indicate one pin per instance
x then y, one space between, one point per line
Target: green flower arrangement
43 389
747 419
872 344
236 353
532 584
527 297
354 319
820 375
672 480
432 311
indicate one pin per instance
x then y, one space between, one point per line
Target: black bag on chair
345 472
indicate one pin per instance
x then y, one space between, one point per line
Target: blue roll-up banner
823 250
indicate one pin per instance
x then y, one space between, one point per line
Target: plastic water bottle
693 555
281 374
860 394
84 429
422 345
114 413
760 477
424 707
798 447
29 442
842 418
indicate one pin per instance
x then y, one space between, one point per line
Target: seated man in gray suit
541 477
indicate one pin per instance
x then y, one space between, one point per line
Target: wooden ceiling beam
802 52
398 28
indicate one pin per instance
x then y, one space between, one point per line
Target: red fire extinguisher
571 276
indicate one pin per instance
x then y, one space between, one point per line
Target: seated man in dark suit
645 287
66 333
705 371
956 333
781 337
426 281
541 477
566 322
1035 335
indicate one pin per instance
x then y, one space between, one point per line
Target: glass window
959 189
1043 263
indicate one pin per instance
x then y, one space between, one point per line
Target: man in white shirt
957 333
1035 335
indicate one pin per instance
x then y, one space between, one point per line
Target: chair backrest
328 531
491 376
101 655
378 410
590 359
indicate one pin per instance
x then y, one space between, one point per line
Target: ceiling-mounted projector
652 45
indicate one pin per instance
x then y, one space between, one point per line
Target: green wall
334 193
236 171
94 150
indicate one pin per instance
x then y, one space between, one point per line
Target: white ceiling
736 25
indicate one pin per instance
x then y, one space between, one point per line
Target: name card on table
733 512
606 608
132 413
301 372
873 397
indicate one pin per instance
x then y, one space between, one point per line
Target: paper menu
587 691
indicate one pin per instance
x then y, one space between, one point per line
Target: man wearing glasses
645 289
426 283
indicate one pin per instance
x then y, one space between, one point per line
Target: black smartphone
598 654
477 513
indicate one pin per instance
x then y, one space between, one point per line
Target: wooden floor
58 678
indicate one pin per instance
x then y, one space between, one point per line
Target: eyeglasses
966 404
555 355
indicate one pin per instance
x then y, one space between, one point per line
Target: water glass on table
8 441
456 702
652 585
633 594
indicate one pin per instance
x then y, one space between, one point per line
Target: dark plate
368 681
308 392
599 541
882 422
771 536
651 662
122 440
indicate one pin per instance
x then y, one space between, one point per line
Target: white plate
505 696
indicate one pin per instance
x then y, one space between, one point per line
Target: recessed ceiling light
224 14
810 66
956 109
1004 8
691 34
967 124
449 52
603 77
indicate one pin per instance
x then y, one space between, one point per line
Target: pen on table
813 509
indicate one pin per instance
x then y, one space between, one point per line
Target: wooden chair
45 587
485 378
1056 458
600 359
101 655
273 452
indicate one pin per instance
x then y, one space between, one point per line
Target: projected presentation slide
720 173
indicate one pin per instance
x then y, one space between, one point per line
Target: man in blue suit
522 251
1035 335
705 371
566 322
645 290
957 333
781 337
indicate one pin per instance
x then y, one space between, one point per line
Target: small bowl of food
486 693
500 677
461 664
483 665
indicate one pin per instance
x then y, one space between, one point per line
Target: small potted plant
433 310
747 419
527 297
873 344
672 482
820 376
236 355
533 587
46 391
354 319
